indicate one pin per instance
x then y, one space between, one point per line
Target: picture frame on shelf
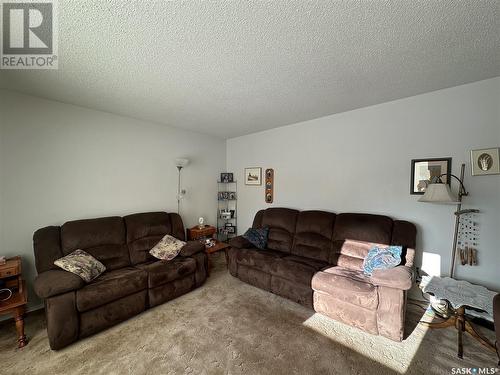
226 195
230 228
225 214
226 177
253 176
485 161
423 171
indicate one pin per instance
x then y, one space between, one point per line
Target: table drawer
8 272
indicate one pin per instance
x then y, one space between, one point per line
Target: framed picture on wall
253 176
423 171
485 161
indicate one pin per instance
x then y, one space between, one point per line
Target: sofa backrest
47 248
313 235
355 234
103 238
281 223
116 242
342 239
145 230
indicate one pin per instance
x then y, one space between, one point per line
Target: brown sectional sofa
315 258
133 280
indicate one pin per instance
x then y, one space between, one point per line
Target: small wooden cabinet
10 274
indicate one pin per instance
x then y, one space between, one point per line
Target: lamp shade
181 162
439 193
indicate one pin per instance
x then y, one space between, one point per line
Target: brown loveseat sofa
315 258
133 280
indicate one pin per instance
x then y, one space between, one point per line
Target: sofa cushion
167 248
103 238
240 242
313 235
351 230
281 223
111 286
351 254
160 272
347 285
400 277
298 269
144 231
264 260
81 264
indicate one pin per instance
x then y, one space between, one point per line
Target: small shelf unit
227 210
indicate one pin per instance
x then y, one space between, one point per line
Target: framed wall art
485 161
253 176
423 171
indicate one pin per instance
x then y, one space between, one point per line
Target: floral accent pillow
167 248
382 258
82 264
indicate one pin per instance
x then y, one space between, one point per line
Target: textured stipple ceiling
233 68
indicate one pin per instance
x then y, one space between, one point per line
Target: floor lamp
180 163
439 192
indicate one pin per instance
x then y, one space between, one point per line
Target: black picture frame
226 177
230 228
440 166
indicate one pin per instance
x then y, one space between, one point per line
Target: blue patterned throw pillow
382 258
257 237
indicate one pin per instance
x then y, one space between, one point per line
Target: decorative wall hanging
269 195
253 176
424 170
485 161
468 238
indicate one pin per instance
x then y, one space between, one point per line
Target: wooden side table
460 294
10 273
208 231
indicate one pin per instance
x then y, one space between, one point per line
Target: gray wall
359 161
60 162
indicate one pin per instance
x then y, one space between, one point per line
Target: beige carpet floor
229 327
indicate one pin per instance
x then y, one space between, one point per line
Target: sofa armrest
240 242
400 277
53 282
496 317
191 248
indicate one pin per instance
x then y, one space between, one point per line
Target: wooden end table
460 295
10 273
208 231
